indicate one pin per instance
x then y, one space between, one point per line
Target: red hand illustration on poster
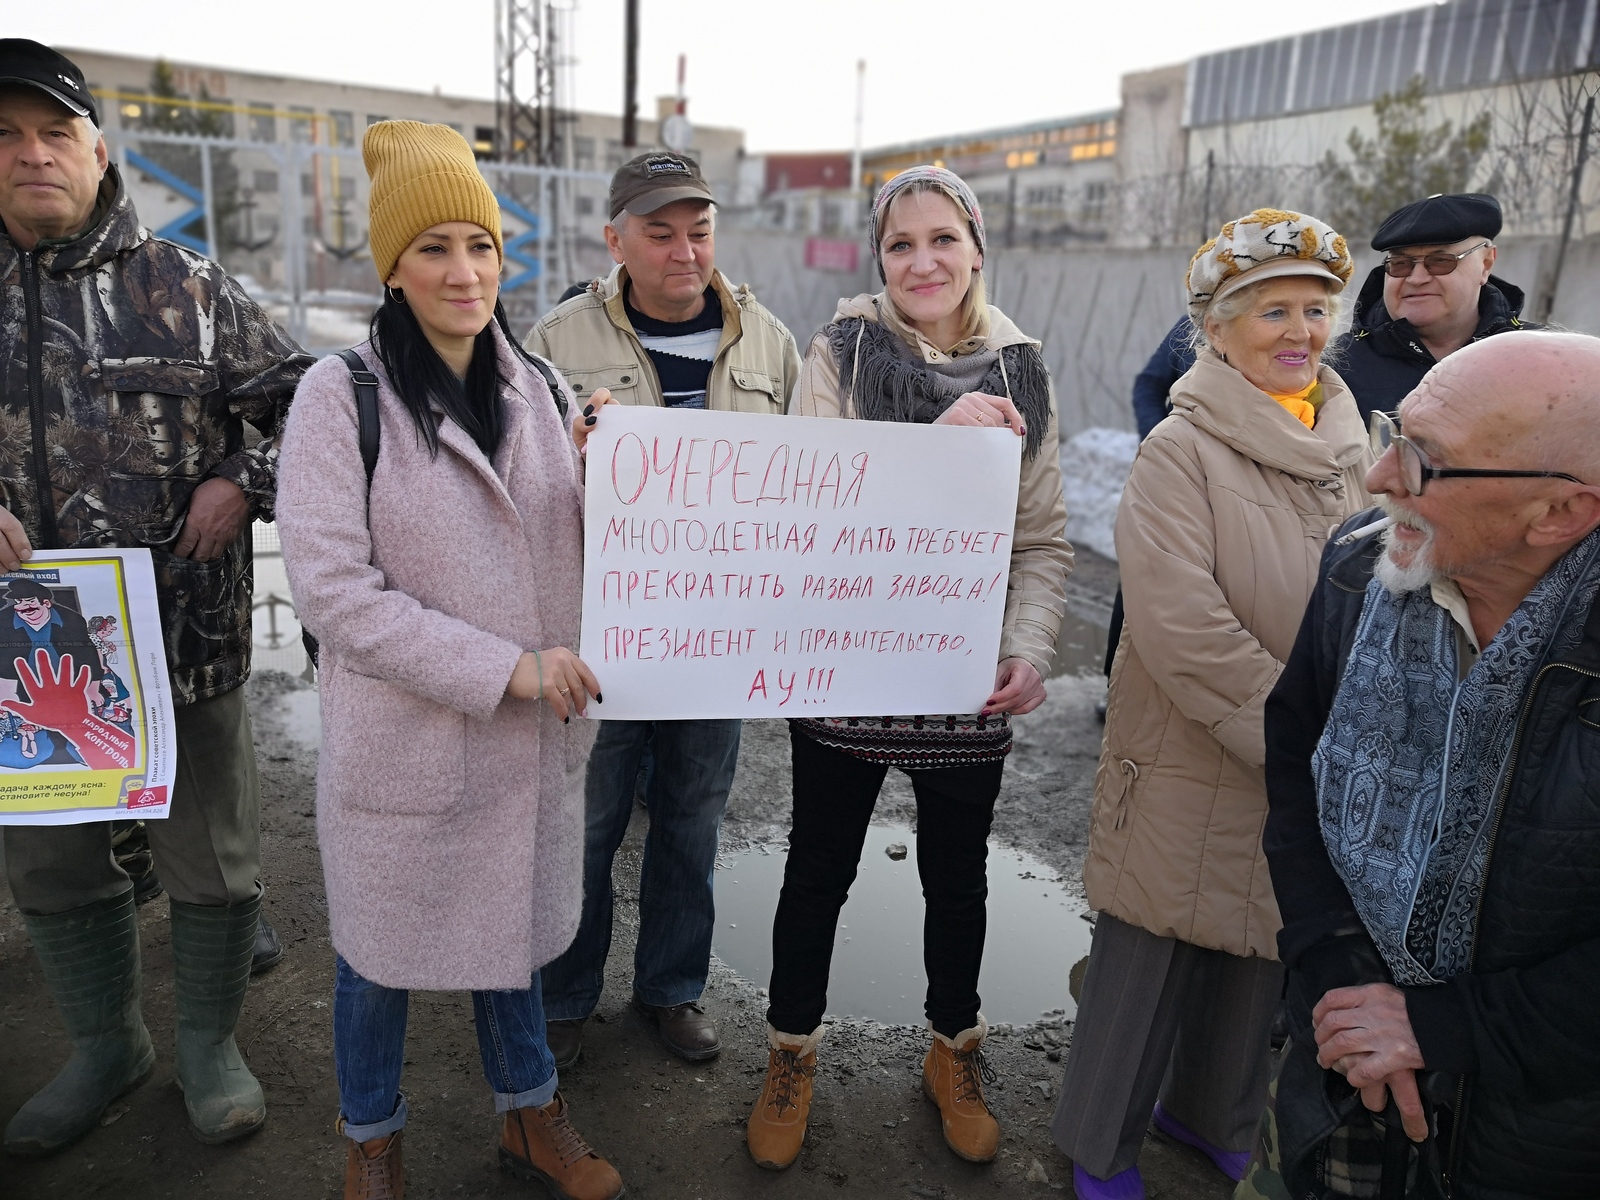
58 702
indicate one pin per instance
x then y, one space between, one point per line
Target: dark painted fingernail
588 420
599 697
566 720
588 410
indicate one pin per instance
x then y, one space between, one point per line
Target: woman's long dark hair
422 379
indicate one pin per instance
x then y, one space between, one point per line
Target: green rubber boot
211 951
90 957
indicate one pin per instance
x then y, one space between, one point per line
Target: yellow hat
421 176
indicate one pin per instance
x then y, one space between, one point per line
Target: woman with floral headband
927 349
1219 533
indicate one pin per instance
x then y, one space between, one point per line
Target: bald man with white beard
1433 775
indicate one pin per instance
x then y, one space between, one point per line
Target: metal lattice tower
527 126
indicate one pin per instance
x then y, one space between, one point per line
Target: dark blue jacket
1170 363
1382 359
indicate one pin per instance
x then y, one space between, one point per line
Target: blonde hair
975 304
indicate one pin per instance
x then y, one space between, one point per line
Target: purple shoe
1124 1185
1232 1163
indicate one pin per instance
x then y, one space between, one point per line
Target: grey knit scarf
1411 761
891 383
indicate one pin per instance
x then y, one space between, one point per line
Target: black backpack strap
551 382
366 386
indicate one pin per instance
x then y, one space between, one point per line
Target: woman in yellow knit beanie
445 590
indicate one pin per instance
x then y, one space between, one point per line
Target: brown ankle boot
953 1077
543 1144
372 1169
777 1126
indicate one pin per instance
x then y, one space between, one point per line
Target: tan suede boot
372 1170
953 1076
777 1126
543 1144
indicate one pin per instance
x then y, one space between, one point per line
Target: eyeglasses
1440 262
1415 469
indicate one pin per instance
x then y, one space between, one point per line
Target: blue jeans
686 795
369 1048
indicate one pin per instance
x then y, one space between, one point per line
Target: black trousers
834 794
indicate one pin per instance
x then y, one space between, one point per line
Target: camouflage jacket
129 369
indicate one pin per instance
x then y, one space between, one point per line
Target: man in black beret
1433 294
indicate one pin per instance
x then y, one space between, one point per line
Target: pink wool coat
450 818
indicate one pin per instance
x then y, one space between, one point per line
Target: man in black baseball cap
118 347
28 62
1433 294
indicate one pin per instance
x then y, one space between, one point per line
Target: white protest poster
744 565
86 729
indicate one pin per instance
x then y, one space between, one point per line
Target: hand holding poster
742 565
85 704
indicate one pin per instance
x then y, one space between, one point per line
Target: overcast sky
784 72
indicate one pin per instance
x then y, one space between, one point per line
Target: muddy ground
673 1129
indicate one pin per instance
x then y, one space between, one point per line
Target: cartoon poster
745 565
86 731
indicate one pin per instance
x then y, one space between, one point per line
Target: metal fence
289 220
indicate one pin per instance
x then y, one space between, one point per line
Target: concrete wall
1099 313
773 264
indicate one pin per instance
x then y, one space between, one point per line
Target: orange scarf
1302 405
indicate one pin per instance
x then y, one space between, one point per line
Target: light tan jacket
1041 559
593 344
1220 530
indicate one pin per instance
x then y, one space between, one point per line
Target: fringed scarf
884 382
1411 761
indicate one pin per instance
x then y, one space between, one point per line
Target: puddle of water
300 713
1080 648
1035 932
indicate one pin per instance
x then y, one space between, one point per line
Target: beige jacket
592 343
1041 559
1220 530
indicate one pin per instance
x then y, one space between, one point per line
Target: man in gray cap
1433 294
130 373
666 328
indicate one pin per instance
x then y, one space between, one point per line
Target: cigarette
1356 535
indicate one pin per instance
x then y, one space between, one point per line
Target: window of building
483 139
263 125
302 126
343 128
266 181
585 206
583 153
308 184
1094 201
614 157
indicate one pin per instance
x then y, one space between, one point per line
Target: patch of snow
1094 466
